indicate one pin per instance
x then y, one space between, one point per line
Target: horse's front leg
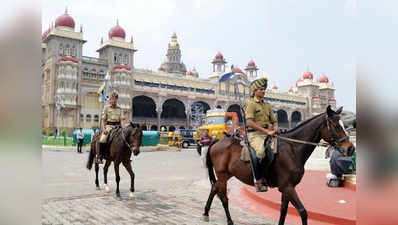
96 176
127 165
116 166
294 199
107 164
284 206
221 185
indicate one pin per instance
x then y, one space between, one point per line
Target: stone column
187 113
159 112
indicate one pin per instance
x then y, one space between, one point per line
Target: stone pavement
171 188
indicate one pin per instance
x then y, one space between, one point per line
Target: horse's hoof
206 218
230 222
107 190
131 196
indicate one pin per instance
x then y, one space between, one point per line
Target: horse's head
334 134
134 137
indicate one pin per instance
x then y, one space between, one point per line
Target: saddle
271 148
112 134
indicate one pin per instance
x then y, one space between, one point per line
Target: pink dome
65 20
161 68
70 59
308 75
219 56
275 87
251 63
237 70
44 35
190 73
323 79
332 100
121 67
291 89
315 98
117 31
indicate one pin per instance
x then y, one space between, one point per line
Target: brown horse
287 168
125 141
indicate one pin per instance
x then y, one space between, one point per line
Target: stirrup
99 160
261 186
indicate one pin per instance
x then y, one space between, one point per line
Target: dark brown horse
288 166
125 141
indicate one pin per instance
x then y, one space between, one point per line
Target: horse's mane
297 129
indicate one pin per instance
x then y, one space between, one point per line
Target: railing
163 121
94 60
137 119
60 141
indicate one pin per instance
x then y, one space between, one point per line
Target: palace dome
237 70
44 35
65 20
117 31
323 79
308 75
251 63
219 56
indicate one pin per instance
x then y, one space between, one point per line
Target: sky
283 37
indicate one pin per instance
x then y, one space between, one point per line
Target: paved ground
171 188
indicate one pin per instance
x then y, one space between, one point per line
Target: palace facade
156 99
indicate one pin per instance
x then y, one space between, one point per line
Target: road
171 188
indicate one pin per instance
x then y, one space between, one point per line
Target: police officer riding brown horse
116 143
287 168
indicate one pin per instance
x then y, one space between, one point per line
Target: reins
124 139
302 142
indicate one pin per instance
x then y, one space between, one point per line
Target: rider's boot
261 183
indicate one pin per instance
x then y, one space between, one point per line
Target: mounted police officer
261 122
112 117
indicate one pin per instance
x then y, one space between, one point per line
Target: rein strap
302 142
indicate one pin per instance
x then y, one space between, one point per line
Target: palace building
156 99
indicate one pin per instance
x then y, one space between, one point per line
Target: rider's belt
112 123
253 130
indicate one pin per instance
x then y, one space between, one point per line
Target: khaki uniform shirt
260 112
111 114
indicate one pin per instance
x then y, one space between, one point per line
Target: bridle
334 139
124 136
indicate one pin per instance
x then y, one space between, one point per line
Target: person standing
261 122
205 141
80 138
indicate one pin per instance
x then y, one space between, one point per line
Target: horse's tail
91 156
209 164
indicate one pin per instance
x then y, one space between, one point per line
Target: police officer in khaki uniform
261 122
112 117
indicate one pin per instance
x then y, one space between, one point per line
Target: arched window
61 50
96 118
115 58
120 59
88 118
81 117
